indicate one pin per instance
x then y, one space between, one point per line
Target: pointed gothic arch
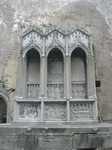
33 73
55 74
79 73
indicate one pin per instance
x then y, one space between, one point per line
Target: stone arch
81 46
79 73
55 74
3 108
30 48
33 72
56 46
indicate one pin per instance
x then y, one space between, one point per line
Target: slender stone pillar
68 110
43 72
68 77
42 84
42 77
42 110
67 72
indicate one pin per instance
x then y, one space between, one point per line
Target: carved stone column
43 84
67 71
45 77
42 110
68 110
68 76
43 72
42 76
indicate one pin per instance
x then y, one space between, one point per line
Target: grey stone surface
95 17
56 137
56 45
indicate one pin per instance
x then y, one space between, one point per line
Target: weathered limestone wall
94 16
36 137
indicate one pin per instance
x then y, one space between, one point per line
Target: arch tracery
55 38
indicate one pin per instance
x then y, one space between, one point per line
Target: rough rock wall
94 16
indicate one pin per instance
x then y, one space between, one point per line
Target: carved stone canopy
66 42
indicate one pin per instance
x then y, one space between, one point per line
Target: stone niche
78 74
33 73
56 77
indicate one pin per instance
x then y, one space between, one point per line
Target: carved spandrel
61 39
78 37
49 40
55 38
26 40
32 38
37 39
72 38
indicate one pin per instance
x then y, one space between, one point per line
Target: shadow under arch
79 73
81 47
56 48
80 52
3 108
30 48
55 74
33 72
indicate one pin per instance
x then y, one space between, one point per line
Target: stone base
55 137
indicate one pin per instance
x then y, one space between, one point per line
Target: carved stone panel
29 111
55 111
53 142
80 111
55 38
55 91
85 141
33 89
78 90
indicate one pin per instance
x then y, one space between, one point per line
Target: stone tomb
56 77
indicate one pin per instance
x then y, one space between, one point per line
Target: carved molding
65 41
